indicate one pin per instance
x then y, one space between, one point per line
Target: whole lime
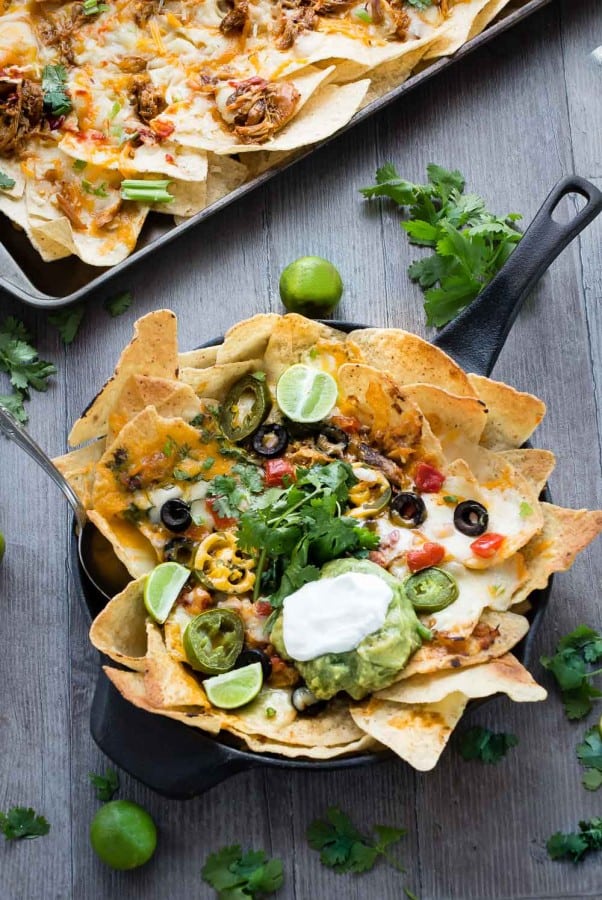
311 286
123 835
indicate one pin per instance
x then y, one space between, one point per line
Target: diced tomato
169 157
487 545
263 608
425 556
162 128
428 479
276 470
220 521
348 424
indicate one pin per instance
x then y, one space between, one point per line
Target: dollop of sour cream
333 615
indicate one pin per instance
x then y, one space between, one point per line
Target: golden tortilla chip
535 466
448 414
119 630
292 337
131 547
259 744
199 359
168 683
171 399
79 468
152 351
247 340
215 381
512 416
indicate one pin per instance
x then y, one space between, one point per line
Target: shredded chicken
107 214
21 110
68 202
132 64
261 108
386 465
236 19
148 100
291 25
145 9
58 28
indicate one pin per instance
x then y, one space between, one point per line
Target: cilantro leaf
250 476
6 182
21 822
343 848
589 754
592 780
236 875
576 845
470 244
56 97
117 305
483 744
23 366
569 666
68 321
106 786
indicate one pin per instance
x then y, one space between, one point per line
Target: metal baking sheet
56 284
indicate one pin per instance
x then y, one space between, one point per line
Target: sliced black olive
306 702
409 508
332 440
270 440
180 550
471 518
175 515
248 657
300 430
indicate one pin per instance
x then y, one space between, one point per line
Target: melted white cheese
334 615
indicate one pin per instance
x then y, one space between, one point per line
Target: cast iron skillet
181 762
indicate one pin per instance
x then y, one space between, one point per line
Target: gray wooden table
514 118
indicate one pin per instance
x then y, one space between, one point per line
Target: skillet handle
476 337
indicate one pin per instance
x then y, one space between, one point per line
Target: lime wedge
305 394
162 588
235 688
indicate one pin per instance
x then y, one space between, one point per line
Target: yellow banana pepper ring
370 495
220 566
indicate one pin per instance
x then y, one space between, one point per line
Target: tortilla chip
119 630
52 240
504 629
225 175
168 683
215 381
259 744
535 466
504 675
199 359
408 359
292 337
512 416
79 468
417 733
449 414
171 399
247 340
131 547
152 351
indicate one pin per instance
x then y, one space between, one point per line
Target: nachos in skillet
368 572
109 110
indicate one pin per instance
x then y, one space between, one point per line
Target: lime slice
235 688
310 285
123 835
305 394
162 588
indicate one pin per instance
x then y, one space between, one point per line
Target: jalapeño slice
213 641
431 590
246 406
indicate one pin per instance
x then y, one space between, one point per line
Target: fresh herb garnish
117 305
91 7
576 845
364 15
227 496
6 182
236 875
420 4
146 190
106 786
344 849
99 191
251 477
21 822
589 753
22 364
569 666
483 744
68 321
56 97
79 165
470 243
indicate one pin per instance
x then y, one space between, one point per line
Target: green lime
305 394
123 835
2 546
310 285
235 688
162 588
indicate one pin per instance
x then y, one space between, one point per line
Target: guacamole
378 657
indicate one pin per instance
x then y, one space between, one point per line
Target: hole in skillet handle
177 761
476 337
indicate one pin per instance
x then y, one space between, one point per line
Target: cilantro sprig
470 243
344 849
67 321
117 305
56 97
22 822
20 360
236 875
105 786
569 665
589 754
485 745
6 182
576 845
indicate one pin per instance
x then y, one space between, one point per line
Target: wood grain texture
514 118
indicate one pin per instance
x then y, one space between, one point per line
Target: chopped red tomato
348 424
170 158
276 470
162 129
425 556
428 479
487 545
263 608
220 521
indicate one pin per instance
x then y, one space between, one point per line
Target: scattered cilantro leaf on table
117 305
105 786
485 745
344 849
236 875
589 753
576 845
23 366
569 666
21 822
470 243
67 321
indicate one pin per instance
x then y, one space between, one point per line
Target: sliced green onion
146 191
364 15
